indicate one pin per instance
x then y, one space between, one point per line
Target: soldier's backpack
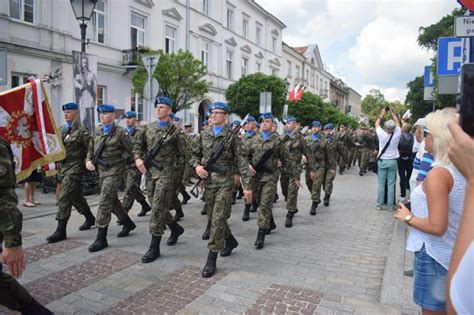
405 146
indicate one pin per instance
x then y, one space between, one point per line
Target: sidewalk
348 259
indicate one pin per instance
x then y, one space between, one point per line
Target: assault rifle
150 158
300 136
96 160
211 165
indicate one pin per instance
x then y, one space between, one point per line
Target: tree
180 77
373 103
414 99
244 95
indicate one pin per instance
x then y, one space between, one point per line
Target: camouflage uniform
345 143
364 148
12 294
133 179
219 187
246 142
333 150
317 148
180 165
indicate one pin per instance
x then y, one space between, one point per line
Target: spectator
30 188
387 159
461 273
405 161
434 221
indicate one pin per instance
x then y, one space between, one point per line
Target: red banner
26 122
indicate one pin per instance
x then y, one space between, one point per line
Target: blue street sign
450 54
429 78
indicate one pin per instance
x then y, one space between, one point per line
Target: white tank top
439 248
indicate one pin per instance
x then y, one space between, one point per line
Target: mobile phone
408 205
466 111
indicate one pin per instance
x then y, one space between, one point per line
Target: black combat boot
33 307
176 231
90 221
314 205
234 195
254 206
240 194
128 226
260 239
186 197
179 214
272 225
145 209
246 215
59 234
289 219
361 173
275 199
101 241
207 231
210 267
230 244
326 200
153 251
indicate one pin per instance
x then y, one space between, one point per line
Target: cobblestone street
347 259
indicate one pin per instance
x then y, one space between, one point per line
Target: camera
466 111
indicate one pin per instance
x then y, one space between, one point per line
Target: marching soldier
364 142
163 173
345 142
12 294
246 142
180 166
333 150
219 186
296 147
315 175
105 154
76 142
132 174
264 173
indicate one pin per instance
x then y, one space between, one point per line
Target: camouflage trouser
71 195
132 188
357 156
315 186
11 217
12 294
219 202
163 197
292 196
188 172
108 200
364 159
150 186
343 160
178 187
265 194
329 175
284 181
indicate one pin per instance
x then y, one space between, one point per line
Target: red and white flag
26 122
296 93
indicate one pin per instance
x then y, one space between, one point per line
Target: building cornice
173 13
208 28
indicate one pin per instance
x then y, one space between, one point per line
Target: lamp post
83 10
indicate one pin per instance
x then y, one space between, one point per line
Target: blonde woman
436 208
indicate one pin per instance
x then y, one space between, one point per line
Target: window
137 30
297 70
230 19
23 10
307 74
317 82
136 105
259 67
170 40
19 79
245 28
274 71
259 35
245 65
205 54
205 7
101 98
289 68
312 79
274 45
228 64
98 22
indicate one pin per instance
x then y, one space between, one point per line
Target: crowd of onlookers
435 162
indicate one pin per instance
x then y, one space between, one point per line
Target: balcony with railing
130 58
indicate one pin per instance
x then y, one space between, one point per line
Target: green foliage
372 105
311 107
180 77
244 95
414 99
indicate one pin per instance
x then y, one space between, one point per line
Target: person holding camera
388 155
436 208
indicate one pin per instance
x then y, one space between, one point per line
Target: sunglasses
425 132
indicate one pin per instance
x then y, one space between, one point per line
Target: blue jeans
387 173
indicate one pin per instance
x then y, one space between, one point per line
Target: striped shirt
424 165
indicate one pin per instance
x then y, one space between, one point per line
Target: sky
367 43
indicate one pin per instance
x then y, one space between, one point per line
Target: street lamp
83 10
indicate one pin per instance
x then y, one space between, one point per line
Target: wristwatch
408 218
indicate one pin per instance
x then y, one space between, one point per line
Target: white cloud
391 94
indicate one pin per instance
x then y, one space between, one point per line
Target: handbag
373 164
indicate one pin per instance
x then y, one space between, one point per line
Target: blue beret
287 119
105 108
220 105
205 123
236 122
163 100
266 116
258 125
251 119
171 115
329 126
176 118
70 106
130 114
316 123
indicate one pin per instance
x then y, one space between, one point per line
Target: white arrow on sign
150 63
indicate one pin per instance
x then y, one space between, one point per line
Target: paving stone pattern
42 251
